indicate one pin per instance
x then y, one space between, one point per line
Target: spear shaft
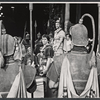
0 36
31 8
35 29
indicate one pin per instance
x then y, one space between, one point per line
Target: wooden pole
48 30
35 29
99 27
67 15
78 12
0 29
0 36
31 39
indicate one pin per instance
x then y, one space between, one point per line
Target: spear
35 28
31 8
25 29
0 35
48 24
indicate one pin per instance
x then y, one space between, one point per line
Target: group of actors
47 46
67 61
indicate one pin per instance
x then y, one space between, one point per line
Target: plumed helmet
27 36
79 35
3 28
39 34
58 20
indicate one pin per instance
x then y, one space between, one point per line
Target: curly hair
46 36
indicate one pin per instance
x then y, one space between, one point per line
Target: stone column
67 15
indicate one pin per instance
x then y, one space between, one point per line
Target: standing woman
59 36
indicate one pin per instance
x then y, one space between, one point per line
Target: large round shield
29 75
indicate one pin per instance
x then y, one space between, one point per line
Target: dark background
15 19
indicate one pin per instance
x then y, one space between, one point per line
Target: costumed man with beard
38 44
26 40
75 74
59 36
38 41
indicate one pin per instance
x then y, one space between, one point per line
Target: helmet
79 35
58 20
39 34
27 36
3 30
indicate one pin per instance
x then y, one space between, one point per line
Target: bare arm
47 65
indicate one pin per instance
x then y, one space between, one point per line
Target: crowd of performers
65 60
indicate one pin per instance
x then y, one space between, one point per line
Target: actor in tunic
38 44
45 56
26 40
59 35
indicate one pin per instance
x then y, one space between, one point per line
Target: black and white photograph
49 50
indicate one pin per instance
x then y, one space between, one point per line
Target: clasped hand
44 71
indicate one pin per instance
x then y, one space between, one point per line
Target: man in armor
59 36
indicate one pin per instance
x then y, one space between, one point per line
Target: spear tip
35 24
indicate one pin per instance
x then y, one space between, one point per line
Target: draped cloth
66 81
18 89
18 53
8 45
67 45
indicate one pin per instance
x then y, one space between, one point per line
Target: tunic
26 43
46 52
59 33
